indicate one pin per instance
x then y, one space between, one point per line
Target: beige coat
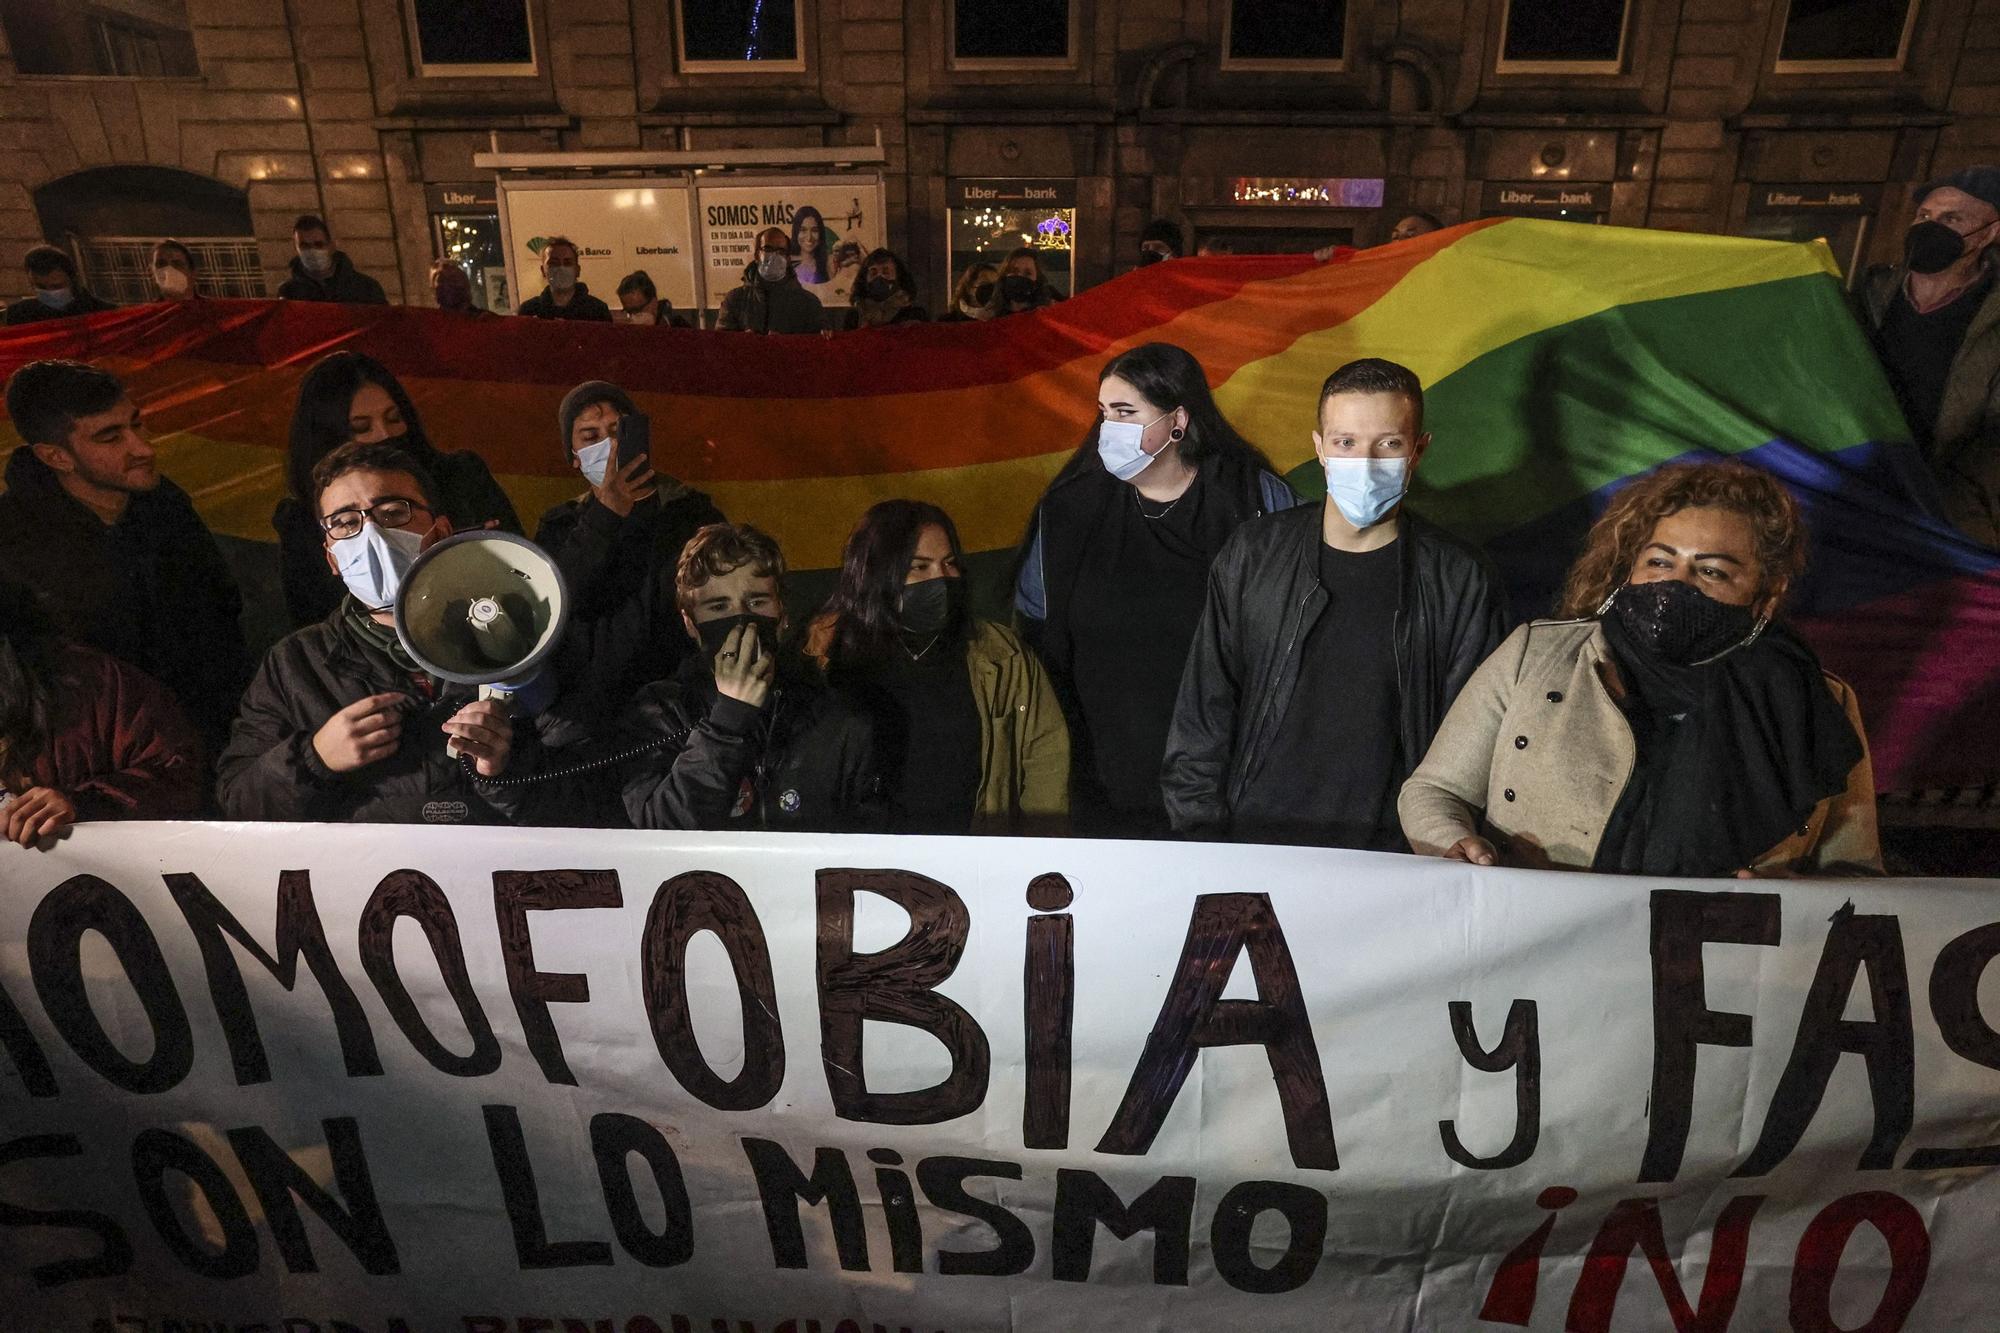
1023 739
1535 754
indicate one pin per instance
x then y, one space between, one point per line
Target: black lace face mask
1677 623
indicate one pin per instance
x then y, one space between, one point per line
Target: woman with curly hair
1670 725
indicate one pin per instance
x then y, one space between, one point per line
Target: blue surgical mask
1121 445
1365 490
595 460
373 561
56 300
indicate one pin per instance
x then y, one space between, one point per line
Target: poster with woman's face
833 225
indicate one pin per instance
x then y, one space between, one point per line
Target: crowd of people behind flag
1193 652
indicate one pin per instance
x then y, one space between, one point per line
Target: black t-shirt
1328 781
1917 351
1133 611
927 738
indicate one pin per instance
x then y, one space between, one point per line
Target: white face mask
171 281
317 262
595 460
562 277
773 267
373 561
1121 444
1366 489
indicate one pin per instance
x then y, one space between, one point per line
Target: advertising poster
618 227
833 222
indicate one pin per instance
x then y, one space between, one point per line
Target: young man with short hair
1334 639
771 299
173 271
322 273
756 737
59 292
563 297
618 545
116 550
340 725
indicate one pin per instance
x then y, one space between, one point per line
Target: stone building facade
225 118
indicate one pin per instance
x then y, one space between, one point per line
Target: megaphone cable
574 770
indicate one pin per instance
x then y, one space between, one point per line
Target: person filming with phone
617 544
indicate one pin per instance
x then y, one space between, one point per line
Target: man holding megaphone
341 723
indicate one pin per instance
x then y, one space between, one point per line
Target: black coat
346 284
272 771
582 305
625 625
758 306
468 492
32 310
151 589
1264 597
804 762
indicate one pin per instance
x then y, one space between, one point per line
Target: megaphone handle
451 749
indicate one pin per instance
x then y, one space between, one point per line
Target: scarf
382 638
1732 756
875 314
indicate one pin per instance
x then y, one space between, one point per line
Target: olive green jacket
1023 740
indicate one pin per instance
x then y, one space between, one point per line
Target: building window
1011 33
1284 34
1839 35
63 37
473 38
737 35
1563 36
120 268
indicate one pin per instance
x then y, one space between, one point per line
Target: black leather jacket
1264 597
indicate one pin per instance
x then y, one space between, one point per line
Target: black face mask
1679 624
1149 257
878 289
715 632
932 607
1018 287
1932 247
982 293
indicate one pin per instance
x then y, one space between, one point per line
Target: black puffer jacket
272 771
1264 597
804 762
625 624
151 589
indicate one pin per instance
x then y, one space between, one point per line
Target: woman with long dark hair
886 294
809 244
82 735
1114 572
1022 286
968 731
1669 724
345 398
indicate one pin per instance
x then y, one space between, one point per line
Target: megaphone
486 608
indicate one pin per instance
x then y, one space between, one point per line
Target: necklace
1140 501
918 655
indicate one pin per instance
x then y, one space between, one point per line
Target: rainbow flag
1560 361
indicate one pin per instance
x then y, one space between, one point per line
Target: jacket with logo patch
804 762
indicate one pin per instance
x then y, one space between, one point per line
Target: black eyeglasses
393 512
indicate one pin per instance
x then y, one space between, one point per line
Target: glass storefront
989 219
465 228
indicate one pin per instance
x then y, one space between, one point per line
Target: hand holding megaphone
485 608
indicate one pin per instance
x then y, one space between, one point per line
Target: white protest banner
514 1081
833 220
619 227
